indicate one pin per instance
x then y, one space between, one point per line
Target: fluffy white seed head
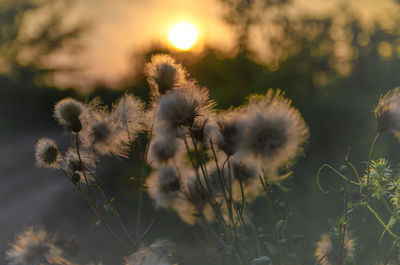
202 131
34 246
73 165
163 74
245 171
186 210
228 131
388 112
183 107
191 200
128 112
164 186
324 250
104 134
157 253
275 130
327 253
162 149
47 154
68 112
215 177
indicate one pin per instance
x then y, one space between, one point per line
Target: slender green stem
381 221
139 211
140 193
82 164
268 191
97 212
370 154
99 215
337 172
112 207
344 229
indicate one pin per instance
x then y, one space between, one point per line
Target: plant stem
268 191
82 165
370 154
97 212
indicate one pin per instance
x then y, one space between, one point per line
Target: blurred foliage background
332 67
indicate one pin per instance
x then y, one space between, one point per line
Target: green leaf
112 200
349 205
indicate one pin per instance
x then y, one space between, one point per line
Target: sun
183 35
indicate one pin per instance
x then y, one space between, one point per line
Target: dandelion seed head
47 154
163 186
67 113
163 74
34 246
275 130
387 112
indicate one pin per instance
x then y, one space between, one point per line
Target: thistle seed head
275 130
163 74
129 114
183 107
162 149
35 246
163 186
387 112
47 154
157 253
67 113
328 253
103 133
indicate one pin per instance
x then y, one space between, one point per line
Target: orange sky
122 27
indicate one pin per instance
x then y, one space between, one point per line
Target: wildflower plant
207 165
379 181
94 131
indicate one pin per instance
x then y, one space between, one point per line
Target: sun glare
183 35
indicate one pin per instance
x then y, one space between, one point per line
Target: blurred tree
23 71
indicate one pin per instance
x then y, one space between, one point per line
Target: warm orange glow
183 35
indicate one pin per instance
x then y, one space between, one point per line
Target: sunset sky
121 28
